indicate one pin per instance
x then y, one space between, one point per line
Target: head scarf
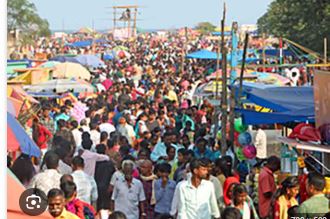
228 182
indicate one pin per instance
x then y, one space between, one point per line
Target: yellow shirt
67 215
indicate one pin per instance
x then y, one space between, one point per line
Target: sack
305 132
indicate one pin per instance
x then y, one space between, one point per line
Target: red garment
44 134
277 209
302 187
226 185
199 116
76 207
107 84
266 184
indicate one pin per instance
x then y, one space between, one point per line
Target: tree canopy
22 15
305 22
205 27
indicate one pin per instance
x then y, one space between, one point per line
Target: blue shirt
164 196
160 150
127 199
207 154
60 116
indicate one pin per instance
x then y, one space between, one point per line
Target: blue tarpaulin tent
276 52
202 54
206 54
80 43
251 117
288 104
226 33
283 98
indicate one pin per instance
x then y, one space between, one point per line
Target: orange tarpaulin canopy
14 191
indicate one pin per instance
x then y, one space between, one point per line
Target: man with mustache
56 205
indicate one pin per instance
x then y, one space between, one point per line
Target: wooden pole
325 50
216 111
114 22
263 53
246 41
134 28
224 85
233 76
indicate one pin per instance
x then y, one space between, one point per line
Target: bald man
147 178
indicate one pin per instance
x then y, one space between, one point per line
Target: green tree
205 27
306 22
22 15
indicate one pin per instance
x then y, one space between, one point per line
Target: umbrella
64 59
61 86
49 64
18 138
14 106
85 30
108 57
14 191
90 61
71 70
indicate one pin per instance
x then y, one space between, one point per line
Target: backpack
88 213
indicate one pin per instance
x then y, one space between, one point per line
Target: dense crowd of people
147 149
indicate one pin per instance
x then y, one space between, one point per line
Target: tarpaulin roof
276 52
251 117
226 33
202 54
84 43
289 104
206 54
283 98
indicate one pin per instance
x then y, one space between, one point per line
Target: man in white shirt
105 126
196 197
86 185
76 133
261 143
126 130
49 178
95 134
